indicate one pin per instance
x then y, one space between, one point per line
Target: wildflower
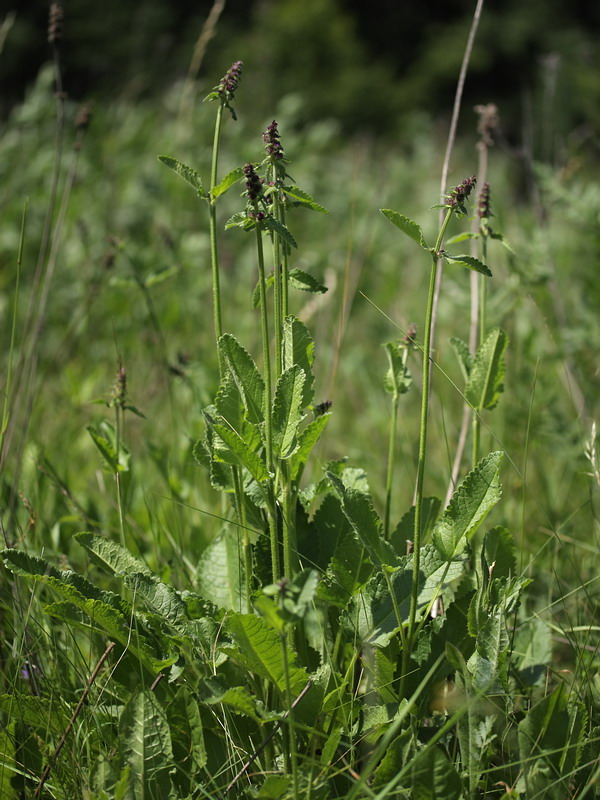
229 81
273 146
483 207
459 194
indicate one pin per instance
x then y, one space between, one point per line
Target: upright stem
213 234
390 465
423 438
267 401
482 304
278 289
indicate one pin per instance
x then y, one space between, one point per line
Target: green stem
277 294
482 324
290 562
284 268
214 256
390 466
267 402
290 709
118 427
423 442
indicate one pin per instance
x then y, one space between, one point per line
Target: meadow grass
282 637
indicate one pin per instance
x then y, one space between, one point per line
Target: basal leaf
307 439
287 411
365 521
302 198
299 348
145 747
228 403
239 699
111 556
469 262
187 739
300 279
187 173
220 571
227 182
484 385
471 502
465 359
434 777
260 649
405 530
160 598
406 225
246 376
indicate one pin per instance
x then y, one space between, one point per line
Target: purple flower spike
230 80
273 146
483 208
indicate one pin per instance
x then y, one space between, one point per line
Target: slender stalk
278 291
391 454
118 428
290 716
482 324
214 255
267 402
423 437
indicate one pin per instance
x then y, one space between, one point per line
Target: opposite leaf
245 375
187 173
287 410
470 263
406 225
471 502
484 385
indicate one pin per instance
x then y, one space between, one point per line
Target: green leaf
269 281
469 262
553 732
500 552
277 227
160 598
187 173
158 277
299 348
187 739
398 378
287 411
104 436
260 650
220 571
372 615
462 237
228 403
406 225
239 699
246 376
145 747
470 504
301 198
239 453
434 777
484 385
365 521
240 220
300 279
111 556
306 441
465 359
405 530
227 182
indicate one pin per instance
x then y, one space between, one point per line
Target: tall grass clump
322 645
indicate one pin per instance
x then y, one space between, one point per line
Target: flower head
229 81
483 206
459 194
273 146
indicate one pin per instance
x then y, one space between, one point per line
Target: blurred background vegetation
363 94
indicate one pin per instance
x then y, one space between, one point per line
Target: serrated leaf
463 354
260 650
111 556
302 198
281 230
484 385
299 348
239 453
372 615
115 454
287 410
220 571
306 441
227 182
184 171
469 262
228 403
434 777
365 521
187 739
160 598
240 220
145 747
470 504
239 699
246 376
406 225
300 279
405 530
398 378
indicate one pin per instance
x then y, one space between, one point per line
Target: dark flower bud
483 207
230 80
460 193
55 23
253 183
273 146
120 388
